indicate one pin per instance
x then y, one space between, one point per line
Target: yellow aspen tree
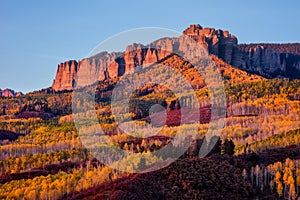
279 189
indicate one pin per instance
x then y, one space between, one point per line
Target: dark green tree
228 147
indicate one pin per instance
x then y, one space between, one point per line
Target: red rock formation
9 93
259 60
105 65
217 42
65 75
18 94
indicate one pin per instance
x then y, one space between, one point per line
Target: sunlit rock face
218 42
268 60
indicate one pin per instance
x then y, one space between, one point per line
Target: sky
35 36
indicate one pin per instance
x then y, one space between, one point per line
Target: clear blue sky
37 35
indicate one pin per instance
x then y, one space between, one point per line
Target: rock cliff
218 42
104 65
271 60
268 60
65 75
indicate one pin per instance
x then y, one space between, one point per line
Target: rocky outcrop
65 75
268 60
288 48
9 93
271 60
104 65
218 42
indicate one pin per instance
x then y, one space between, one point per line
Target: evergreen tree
228 147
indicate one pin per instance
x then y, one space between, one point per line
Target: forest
256 155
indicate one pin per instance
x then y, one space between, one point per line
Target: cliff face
268 60
104 65
218 42
271 60
65 75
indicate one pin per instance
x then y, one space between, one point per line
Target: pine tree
228 147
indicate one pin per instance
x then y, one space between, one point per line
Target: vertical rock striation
218 42
268 60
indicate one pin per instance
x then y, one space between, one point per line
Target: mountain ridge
267 60
10 93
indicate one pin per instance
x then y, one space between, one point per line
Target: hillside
214 177
45 155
